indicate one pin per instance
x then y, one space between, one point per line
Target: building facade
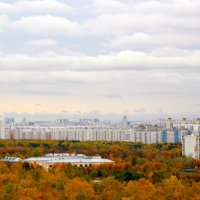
2 129
191 146
78 160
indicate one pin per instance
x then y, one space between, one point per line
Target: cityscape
184 131
99 100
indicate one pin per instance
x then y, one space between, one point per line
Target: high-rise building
169 123
2 129
191 146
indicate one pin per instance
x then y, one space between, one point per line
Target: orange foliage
157 171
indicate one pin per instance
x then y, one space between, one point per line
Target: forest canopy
140 171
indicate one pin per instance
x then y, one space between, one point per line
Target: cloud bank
112 56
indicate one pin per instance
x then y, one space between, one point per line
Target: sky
100 58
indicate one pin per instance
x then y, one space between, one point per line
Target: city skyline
168 130
99 58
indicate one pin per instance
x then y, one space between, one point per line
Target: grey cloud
114 96
142 110
197 104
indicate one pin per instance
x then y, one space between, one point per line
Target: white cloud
149 17
128 23
35 7
6 8
148 41
109 6
47 26
164 59
174 8
4 21
144 51
42 43
43 7
102 84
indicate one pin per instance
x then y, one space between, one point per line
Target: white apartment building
172 131
169 123
77 133
92 133
146 137
2 129
196 129
191 146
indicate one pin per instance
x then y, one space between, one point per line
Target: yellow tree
79 189
142 190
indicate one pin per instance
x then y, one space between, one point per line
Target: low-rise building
49 160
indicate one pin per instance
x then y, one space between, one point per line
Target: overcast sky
100 57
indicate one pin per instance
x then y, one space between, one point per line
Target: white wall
190 146
2 129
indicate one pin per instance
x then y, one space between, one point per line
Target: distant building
10 121
2 129
191 146
169 123
49 160
170 130
78 160
184 121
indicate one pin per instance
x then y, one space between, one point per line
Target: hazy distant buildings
71 133
182 131
10 121
147 137
171 131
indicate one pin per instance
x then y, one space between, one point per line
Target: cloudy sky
100 57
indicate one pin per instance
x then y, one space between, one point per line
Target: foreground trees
140 172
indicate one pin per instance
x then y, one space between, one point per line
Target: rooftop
11 159
61 158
